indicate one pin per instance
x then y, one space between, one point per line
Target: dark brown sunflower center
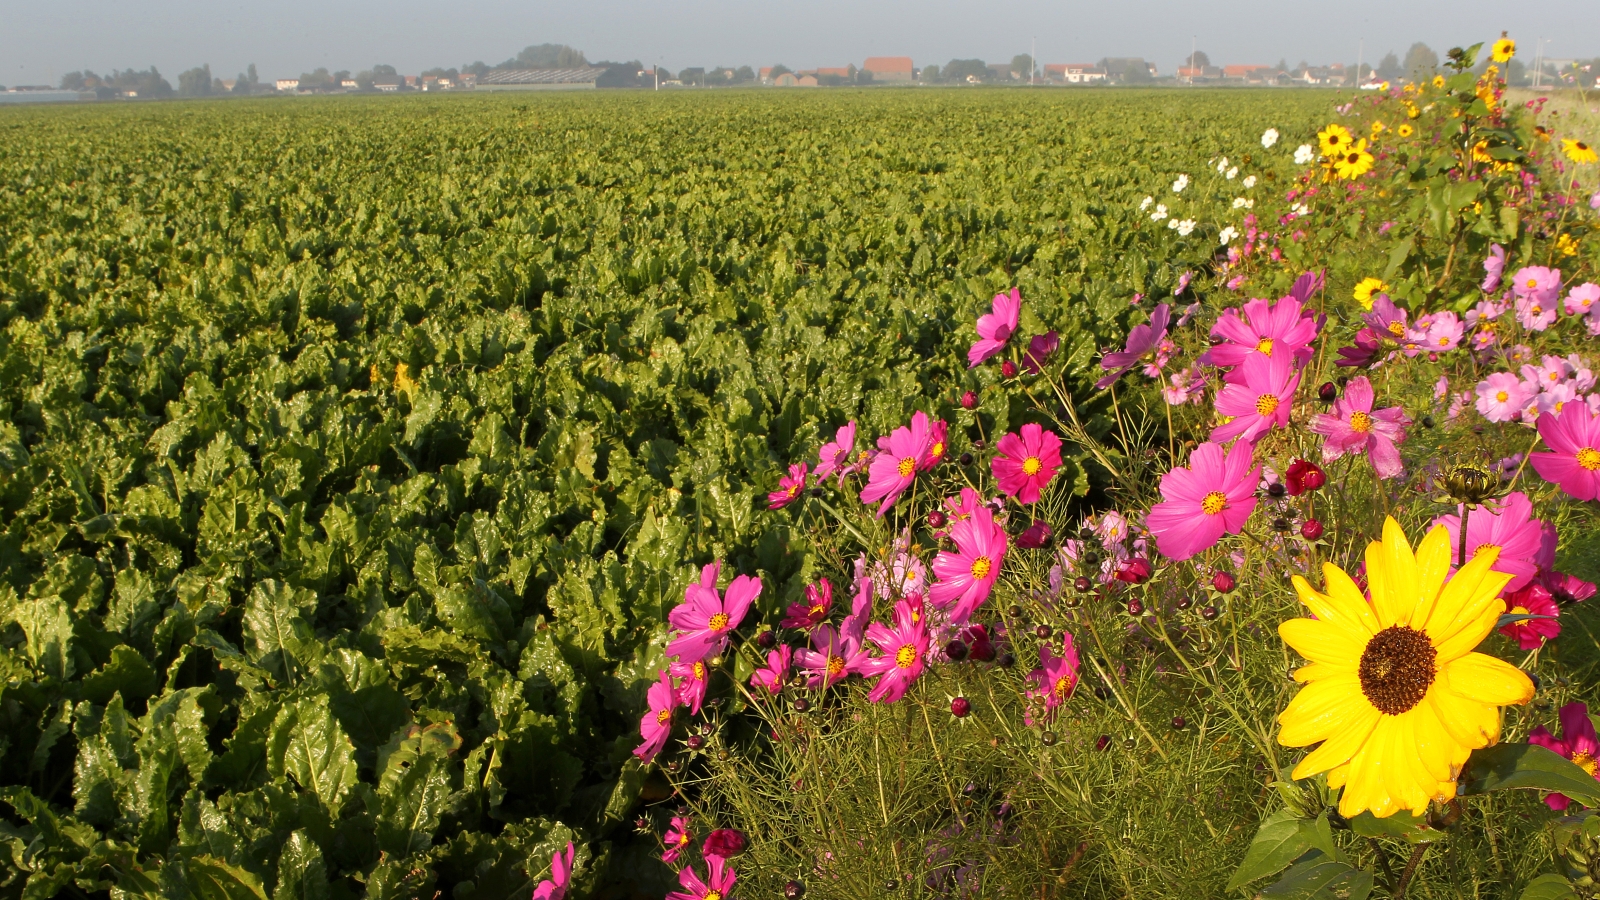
1396 669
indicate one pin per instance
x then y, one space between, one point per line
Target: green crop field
354 450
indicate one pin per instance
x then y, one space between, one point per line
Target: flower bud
936 519
969 400
1327 393
1185 602
794 890
1135 571
1102 742
1135 608
766 640
961 707
1006 660
1304 477
724 842
1048 739
1210 613
1311 530
1036 536
956 651
1082 584
1178 723
1008 369
1223 582
696 742
966 459
1042 632
1276 489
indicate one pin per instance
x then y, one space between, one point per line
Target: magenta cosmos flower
789 487
1284 327
703 619
1259 396
1502 397
905 650
965 577
835 456
1576 744
1533 599
1041 348
1523 541
693 680
995 328
717 886
656 725
895 466
938 444
1573 462
1027 462
1142 341
555 887
776 673
1353 426
678 838
818 603
1213 497
1055 678
833 652
724 842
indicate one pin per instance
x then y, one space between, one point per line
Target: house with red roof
890 68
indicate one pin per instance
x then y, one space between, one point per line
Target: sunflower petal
1321 641
1400 578
1351 603
1340 747
1469 723
1337 613
1471 633
1322 710
1473 588
1489 680
1435 747
1433 567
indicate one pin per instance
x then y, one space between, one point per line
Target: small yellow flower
1333 140
1480 152
1353 162
1377 128
1366 287
1405 130
1438 81
1504 49
1411 111
1567 245
402 379
1577 151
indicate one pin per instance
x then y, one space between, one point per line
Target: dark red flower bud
1102 742
1036 536
794 890
724 842
961 707
1135 571
696 742
1178 723
1042 632
1223 582
1311 530
969 400
936 519
1008 369
766 640
1082 584
956 650
1135 608
1210 613
966 459
1327 393
1304 477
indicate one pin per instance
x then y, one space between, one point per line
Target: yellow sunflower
1405 130
1577 151
1366 287
1504 49
1394 692
1438 81
1353 162
1333 140
1480 152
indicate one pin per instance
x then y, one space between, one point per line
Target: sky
41 40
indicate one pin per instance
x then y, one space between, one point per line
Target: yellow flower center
1063 686
835 666
1397 667
1587 763
1396 329
1444 341
699 670
907 466
663 717
1213 503
938 449
1031 465
1360 422
1518 611
906 656
1502 396
1482 547
1266 404
794 489
981 567
712 895
1533 283
1265 346
1589 458
719 622
683 838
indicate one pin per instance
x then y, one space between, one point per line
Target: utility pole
1033 60
1192 51
658 73
1361 53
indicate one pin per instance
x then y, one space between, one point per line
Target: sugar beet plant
1324 631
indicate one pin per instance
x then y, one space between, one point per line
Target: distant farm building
288 84
540 79
889 68
790 79
1074 73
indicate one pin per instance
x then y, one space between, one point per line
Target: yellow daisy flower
1377 129
1577 151
1504 49
1438 81
1567 245
1480 152
1405 130
1394 693
1353 162
1333 140
1366 287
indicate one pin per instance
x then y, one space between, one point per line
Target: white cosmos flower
1160 213
1146 204
1172 223
1300 209
1227 234
1233 173
1186 226
1243 203
1180 184
1304 154
1222 166
1249 181
1269 137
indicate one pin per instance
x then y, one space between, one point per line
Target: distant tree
864 76
76 81
196 82
546 56
744 75
1022 66
319 80
1389 67
344 75
451 74
619 75
928 73
1197 60
779 69
247 81
1421 62
479 68
1283 64
959 69
830 80
379 74
694 75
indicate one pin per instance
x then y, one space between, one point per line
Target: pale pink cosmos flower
790 487
1582 376
717 886
1556 399
965 576
1493 267
1578 742
905 572
1538 282
1484 311
1353 426
995 328
1213 497
835 455
693 680
1573 461
704 619
1444 332
1502 396
1259 397
555 887
1142 340
773 677
1510 527
656 724
1534 314
1185 386
1583 299
904 648
1026 462
895 466
678 838
1259 327
1055 679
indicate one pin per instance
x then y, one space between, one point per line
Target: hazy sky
42 39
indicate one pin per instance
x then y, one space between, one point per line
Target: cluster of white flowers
1268 138
1222 166
1160 213
1249 181
1233 173
1243 203
1304 154
1227 234
1180 184
1300 209
1146 204
1183 227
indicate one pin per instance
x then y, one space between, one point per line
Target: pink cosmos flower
961 507
656 725
555 887
1566 588
895 466
1386 319
1583 299
1027 462
1259 396
1186 386
1261 328
835 455
1522 540
1493 266
1056 677
1142 340
1353 426
818 603
703 620
833 652
1444 332
904 647
995 328
1577 744
1213 497
1532 599
1541 283
1556 399
693 680
1365 349
777 671
1573 461
723 842
789 487
677 840
1550 371
717 886
938 444
1502 397
1041 348
965 577
1534 314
